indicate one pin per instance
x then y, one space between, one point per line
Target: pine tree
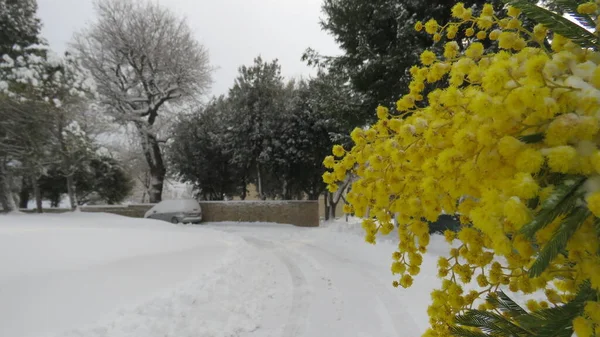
19 26
380 44
255 102
201 155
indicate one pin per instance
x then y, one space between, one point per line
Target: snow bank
224 302
342 233
95 274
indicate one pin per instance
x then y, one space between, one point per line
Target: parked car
176 211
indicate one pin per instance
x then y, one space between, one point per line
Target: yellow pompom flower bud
481 35
338 151
507 40
513 11
329 162
428 57
451 31
451 49
431 26
529 161
328 178
475 51
494 34
485 22
482 280
467 14
382 112
587 8
347 209
509 146
458 10
516 212
524 186
583 327
561 158
533 305
470 32
358 136
540 32
419 26
406 281
488 10
595 80
398 268
513 24
592 310
593 203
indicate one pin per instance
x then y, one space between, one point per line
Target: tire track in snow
296 323
395 310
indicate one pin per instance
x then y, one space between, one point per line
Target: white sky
234 31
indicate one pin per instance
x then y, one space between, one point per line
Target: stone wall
298 213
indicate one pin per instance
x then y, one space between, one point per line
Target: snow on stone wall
298 213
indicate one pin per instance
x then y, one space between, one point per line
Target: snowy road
334 291
103 275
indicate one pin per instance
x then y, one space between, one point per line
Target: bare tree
143 58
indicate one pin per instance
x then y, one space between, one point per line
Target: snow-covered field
89 274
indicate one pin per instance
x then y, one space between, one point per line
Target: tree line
266 131
138 68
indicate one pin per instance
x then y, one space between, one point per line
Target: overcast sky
234 31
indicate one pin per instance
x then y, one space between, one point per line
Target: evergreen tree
19 26
99 179
200 155
380 44
255 100
19 30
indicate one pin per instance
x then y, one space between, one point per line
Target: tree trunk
284 189
37 193
24 194
154 158
55 201
72 192
244 189
325 199
156 186
6 197
332 206
259 187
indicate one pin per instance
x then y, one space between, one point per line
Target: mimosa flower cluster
502 136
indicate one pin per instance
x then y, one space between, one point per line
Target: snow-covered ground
89 274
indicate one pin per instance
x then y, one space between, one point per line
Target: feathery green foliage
557 23
559 240
570 7
560 202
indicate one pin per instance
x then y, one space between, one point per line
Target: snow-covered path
335 290
103 275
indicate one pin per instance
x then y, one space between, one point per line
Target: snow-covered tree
255 100
199 153
19 26
143 57
22 65
100 179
